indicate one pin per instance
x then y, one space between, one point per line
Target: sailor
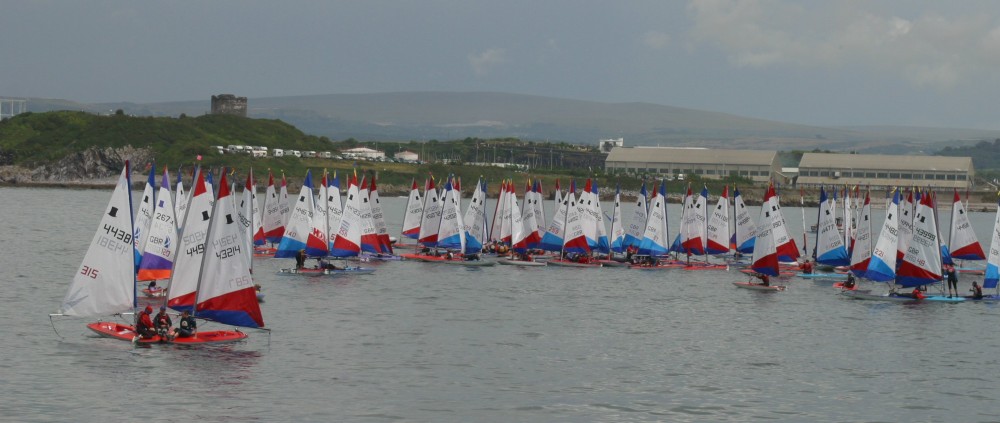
916 294
977 291
163 322
807 267
144 324
952 280
187 326
850 283
300 259
764 279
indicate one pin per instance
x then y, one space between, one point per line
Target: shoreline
391 192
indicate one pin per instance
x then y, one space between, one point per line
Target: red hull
126 333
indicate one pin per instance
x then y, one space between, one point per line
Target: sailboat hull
126 333
510 262
756 287
326 272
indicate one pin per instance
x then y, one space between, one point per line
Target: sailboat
474 221
224 286
575 249
765 253
655 236
962 241
991 280
829 247
637 225
745 230
617 233
144 216
414 211
161 244
104 283
272 221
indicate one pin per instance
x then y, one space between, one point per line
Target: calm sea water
425 343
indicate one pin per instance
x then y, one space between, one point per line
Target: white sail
161 244
299 222
430 219
274 226
180 201
861 254
335 210
414 211
284 203
717 228
475 219
105 281
882 266
746 229
184 278
226 291
637 225
144 214
450 233
536 191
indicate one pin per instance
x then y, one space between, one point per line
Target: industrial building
756 165
881 171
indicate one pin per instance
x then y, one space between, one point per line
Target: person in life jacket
917 294
807 267
144 324
187 327
977 291
163 323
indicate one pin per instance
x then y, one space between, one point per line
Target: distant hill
32 139
423 116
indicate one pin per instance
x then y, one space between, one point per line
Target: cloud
483 62
655 39
927 48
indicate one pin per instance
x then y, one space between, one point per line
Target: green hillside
32 139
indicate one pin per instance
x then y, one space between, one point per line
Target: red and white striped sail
529 220
430 220
378 218
161 244
695 223
519 236
273 222
226 291
765 253
717 228
348 240
921 264
862 253
785 244
962 242
317 242
184 279
414 211
104 283
576 239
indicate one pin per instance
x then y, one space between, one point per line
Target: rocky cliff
92 166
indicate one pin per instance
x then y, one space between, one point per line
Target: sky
829 63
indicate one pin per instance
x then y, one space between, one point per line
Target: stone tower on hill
228 104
